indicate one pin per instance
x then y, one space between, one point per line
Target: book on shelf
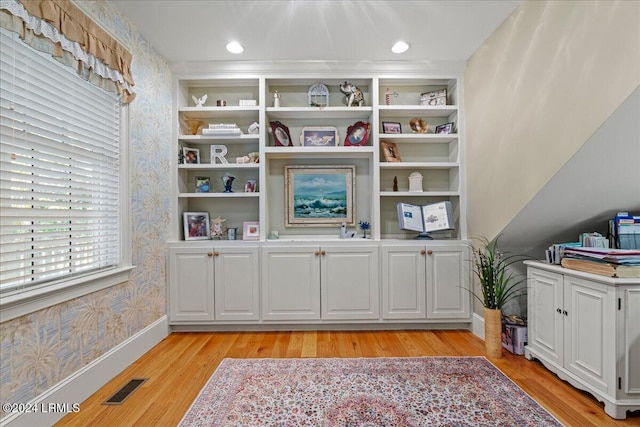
602 268
426 218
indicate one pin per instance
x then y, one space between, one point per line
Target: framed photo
203 184
390 150
319 136
251 230
196 225
391 127
191 155
434 97
319 195
357 134
281 134
445 128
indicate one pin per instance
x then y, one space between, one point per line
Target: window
60 189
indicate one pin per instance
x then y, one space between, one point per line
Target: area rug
366 392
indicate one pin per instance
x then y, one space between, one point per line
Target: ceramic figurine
276 99
352 94
199 101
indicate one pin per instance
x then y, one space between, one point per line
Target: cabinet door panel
632 341
403 283
291 283
191 293
589 343
349 283
545 323
237 284
447 283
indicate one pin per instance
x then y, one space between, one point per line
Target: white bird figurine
199 102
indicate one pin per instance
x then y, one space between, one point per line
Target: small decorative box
248 102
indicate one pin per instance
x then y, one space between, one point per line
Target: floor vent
126 391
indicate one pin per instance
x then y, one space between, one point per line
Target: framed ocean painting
319 195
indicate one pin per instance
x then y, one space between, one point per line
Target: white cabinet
320 282
584 328
207 283
426 282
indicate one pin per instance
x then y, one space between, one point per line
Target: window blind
59 170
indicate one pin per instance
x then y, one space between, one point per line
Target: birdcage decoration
318 95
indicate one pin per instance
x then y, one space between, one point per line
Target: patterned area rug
365 392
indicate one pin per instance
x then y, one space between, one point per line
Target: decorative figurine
352 94
395 183
227 180
199 101
364 226
254 128
418 125
216 227
276 100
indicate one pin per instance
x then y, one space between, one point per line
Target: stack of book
222 129
623 263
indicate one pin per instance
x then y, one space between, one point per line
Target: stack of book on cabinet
623 263
222 129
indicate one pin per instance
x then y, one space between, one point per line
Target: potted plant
497 286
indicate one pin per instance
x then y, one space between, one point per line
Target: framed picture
251 230
203 184
196 225
319 195
434 97
391 127
191 155
281 134
357 134
319 136
445 128
390 150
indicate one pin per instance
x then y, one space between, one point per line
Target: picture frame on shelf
434 98
445 128
391 127
357 134
196 225
251 230
203 184
319 195
281 135
390 151
191 156
319 136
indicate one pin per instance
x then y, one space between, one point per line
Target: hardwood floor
179 366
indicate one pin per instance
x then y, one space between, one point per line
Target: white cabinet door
589 344
237 283
545 314
191 293
403 282
448 282
349 282
630 313
291 283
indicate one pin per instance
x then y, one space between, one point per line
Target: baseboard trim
477 325
60 399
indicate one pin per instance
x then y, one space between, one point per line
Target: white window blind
59 170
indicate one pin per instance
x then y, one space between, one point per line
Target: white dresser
586 329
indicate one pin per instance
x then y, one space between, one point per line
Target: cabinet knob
558 310
565 312
429 252
324 252
316 253
216 253
422 252
209 253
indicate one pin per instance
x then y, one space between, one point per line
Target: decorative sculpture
199 101
352 93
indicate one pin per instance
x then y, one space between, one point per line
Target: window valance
63 30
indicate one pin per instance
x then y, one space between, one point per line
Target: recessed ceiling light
235 47
400 47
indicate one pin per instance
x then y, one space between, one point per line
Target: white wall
535 91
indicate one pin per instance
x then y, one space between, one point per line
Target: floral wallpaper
39 350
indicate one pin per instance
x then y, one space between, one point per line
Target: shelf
210 166
419 194
418 110
219 112
319 112
218 195
207 139
297 151
419 165
419 138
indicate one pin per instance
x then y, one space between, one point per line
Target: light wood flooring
179 366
